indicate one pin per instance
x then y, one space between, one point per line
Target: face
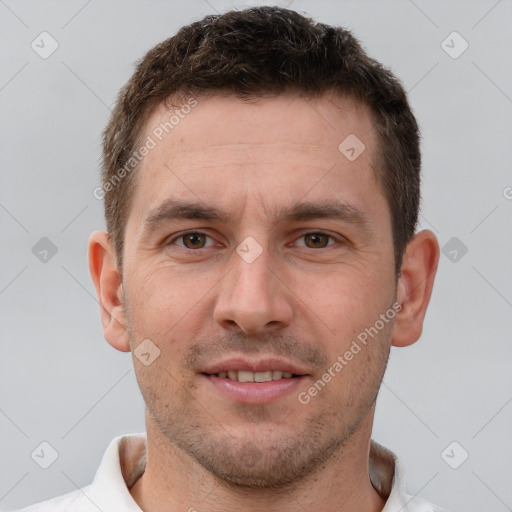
254 250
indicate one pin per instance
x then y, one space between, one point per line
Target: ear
415 287
108 284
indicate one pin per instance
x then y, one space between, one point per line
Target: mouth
248 376
256 382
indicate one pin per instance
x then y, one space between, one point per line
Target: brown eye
190 240
194 240
316 240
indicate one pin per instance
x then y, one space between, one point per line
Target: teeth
246 376
262 376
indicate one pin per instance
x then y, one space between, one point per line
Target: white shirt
125 459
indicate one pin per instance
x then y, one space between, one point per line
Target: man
261 186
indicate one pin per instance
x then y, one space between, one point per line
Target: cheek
168 304
347 299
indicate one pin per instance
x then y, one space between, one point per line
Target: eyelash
185 233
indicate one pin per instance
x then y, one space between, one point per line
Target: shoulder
419 505
410 504
122 463
76 501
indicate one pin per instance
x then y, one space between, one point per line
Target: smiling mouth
248 376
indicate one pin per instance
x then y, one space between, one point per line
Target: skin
303 298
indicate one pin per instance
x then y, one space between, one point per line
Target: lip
261 364
254 392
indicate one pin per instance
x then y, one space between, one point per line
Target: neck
173 481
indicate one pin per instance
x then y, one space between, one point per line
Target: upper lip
261 364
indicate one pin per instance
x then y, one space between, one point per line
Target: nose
253 297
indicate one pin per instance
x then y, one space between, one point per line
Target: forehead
269 151
229 119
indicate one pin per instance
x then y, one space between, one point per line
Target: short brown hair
257 52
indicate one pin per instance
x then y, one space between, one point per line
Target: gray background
63 384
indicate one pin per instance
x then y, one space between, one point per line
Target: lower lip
255 392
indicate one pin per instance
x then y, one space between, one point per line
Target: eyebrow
174 209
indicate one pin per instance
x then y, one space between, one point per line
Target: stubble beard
278 460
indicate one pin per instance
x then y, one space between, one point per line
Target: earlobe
108 284
415 287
